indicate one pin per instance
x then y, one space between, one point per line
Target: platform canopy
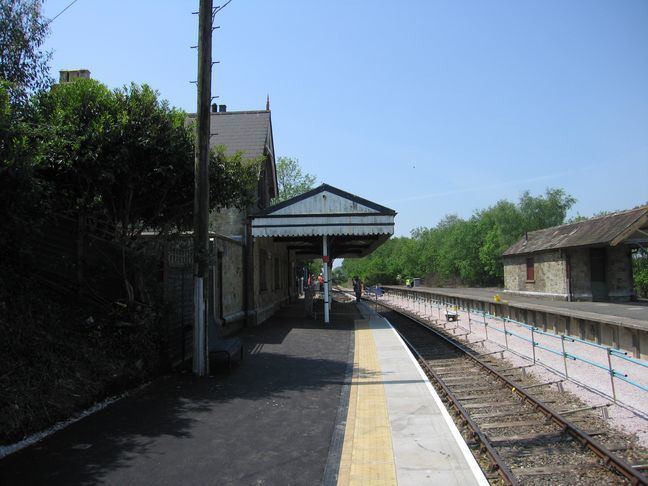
354 226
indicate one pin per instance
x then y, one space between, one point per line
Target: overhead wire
59 14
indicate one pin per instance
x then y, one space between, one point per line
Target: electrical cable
58 14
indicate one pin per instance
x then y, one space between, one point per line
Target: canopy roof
629 227
355 225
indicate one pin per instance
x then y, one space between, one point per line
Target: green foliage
22 33
543 212
462 252
382 266
233 179
339 276
77 132
640 272
54 362
127 157
290 179
20 192
122 157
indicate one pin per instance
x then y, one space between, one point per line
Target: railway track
508 420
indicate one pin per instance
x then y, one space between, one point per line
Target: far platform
633 314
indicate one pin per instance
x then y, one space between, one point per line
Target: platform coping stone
367 453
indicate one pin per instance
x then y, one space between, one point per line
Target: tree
77 130
290 179
640 271
501 226
463 252
22 62
545 211
125 157
339 277
20 192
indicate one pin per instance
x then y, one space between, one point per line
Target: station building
258 251
589 260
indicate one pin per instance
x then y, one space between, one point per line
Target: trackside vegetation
461 251
85 171
467 252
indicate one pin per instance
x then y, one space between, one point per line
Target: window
530 268
277 278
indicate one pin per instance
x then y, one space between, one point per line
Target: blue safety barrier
411 296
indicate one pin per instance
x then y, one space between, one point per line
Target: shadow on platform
268 419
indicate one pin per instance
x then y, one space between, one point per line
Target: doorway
597 270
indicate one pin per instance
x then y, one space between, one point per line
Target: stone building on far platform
589 260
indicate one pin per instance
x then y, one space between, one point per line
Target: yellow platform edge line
367 451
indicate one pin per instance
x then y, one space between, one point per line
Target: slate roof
249 132
596 231
245 131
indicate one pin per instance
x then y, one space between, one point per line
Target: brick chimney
68 75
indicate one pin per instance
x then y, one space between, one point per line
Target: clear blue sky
428 107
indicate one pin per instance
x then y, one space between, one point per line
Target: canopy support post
326 278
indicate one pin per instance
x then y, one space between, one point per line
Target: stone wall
619 274
581 278
228 222
266 298
229 266
273 278
513 272
229 257
550 277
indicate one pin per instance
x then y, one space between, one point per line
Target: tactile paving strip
367 454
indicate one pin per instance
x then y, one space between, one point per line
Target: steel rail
609 459
496 461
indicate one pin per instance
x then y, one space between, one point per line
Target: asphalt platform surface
268 421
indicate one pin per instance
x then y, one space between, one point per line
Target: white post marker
326 277
200 340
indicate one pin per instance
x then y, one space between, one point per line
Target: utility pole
201 191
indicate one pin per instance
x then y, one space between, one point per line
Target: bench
227 347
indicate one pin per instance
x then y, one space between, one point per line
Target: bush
640 271
59 357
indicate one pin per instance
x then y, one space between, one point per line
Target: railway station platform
311 403
619 326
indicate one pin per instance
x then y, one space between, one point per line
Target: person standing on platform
357 288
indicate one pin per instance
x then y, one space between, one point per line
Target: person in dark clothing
357 288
